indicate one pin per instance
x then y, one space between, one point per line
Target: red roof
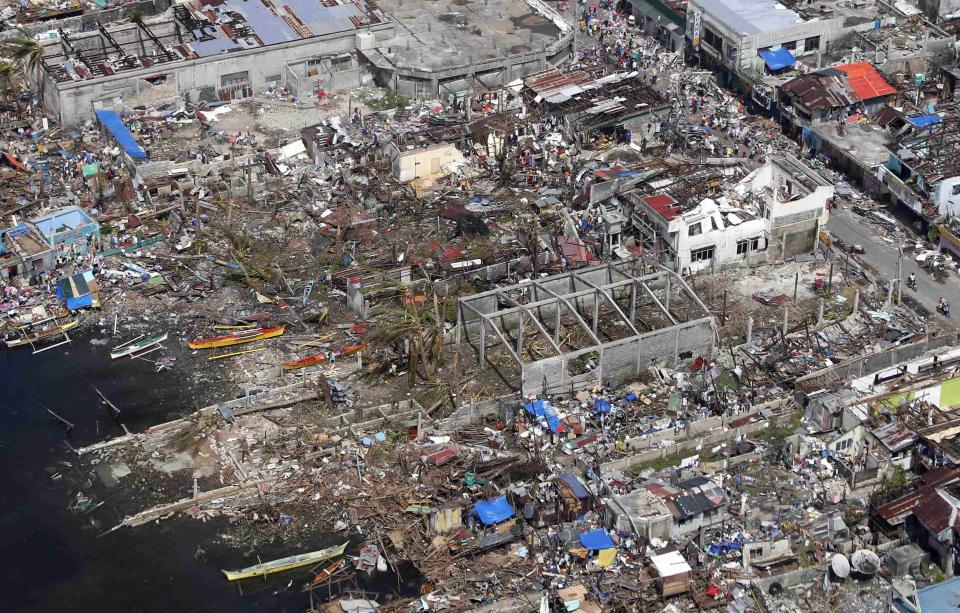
866 81
665 205
895 511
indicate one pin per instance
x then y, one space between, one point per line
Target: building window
755 243
811 43
791 45
701 255
236 78
341 64
315 61
741 247
694 230
712 38
273 79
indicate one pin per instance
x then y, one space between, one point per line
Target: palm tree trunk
412 362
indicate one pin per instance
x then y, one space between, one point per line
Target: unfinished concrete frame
597 324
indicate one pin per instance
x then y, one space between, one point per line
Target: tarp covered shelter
493 511
79 291
596 539
778 58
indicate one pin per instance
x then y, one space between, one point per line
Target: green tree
28 52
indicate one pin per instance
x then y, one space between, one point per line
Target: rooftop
865 142
446 33
200 28
751 16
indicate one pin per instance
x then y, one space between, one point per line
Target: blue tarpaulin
922 121
596 539
601 406
543 408
493 511
121 134
778 58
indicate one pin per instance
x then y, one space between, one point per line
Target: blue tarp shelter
493 511
596 539
78 291
922 121
601 405
121 134
778 58
543 408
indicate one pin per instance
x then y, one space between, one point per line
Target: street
882 255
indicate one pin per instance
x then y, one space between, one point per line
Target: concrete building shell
628 314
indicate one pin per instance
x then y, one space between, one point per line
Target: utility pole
900 274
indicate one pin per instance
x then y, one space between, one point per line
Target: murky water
56 560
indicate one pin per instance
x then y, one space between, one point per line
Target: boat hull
44 334
284 564
235 339
137 347
322 358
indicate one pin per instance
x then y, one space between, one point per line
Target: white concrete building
775 212
734 32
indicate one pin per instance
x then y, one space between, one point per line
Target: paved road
882 256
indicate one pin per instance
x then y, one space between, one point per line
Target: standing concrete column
749 330
889 301
786 319
820 313
856 301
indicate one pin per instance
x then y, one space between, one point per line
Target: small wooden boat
236 338
288 563
327 571
136 346
322 358
36 334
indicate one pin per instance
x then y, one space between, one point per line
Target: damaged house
773 213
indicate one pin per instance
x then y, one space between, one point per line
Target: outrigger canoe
40 334
133 348
236 338
322 358
288 563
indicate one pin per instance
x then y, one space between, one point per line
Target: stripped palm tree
28 52
6 77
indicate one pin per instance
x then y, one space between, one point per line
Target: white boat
137 346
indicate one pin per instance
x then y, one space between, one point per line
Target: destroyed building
774 213
626 318
199 51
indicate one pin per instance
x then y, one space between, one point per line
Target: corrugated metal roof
866 81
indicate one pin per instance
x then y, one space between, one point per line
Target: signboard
695 33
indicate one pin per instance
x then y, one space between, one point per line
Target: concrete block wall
619 360
858 367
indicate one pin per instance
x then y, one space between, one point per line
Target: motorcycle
912 283
944 309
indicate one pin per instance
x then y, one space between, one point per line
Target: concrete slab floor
433 34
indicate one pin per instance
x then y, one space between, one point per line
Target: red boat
323 358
